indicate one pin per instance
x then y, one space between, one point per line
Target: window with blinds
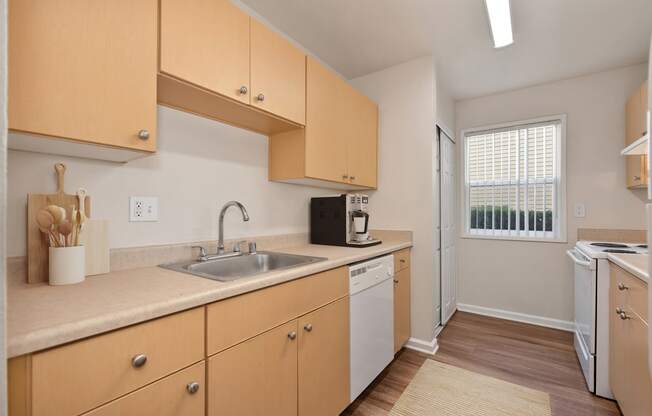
514 182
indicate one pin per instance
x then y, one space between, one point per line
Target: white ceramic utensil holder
67 265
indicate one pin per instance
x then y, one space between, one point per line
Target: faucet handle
236 245
252 247
202 252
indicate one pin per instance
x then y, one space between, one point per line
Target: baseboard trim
518 317
428 347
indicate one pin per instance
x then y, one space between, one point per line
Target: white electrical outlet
143 208
580 211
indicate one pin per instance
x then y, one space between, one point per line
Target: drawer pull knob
624 316
395 280
622 286
243 90
143 134
260 97
402 260
292 335
308 327
139 360
619 310
345 176
192 387
352 178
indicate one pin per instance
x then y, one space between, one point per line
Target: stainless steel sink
245 265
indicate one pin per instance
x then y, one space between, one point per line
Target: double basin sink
231 268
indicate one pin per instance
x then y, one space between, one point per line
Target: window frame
464 183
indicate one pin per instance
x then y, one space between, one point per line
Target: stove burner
617 250
610 245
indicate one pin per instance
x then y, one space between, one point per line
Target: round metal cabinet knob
243 90
139 360
308 327
193 387
292 335
260 97
622 286
143 134
395 280
352 178
624 316
619 310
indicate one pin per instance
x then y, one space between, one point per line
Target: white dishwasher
371 287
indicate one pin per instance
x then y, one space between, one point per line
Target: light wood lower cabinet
256 377
304 361
401 308
180 394
629 375
84 71
324 360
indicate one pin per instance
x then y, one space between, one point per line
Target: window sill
514 238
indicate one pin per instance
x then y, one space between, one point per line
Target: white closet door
447 242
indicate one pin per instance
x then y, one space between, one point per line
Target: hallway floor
528 355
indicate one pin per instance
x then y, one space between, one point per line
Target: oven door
585 298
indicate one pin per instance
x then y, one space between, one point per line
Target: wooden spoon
45 221
65 229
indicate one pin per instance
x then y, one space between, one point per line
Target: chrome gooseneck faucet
245 217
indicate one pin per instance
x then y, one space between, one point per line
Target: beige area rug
440 390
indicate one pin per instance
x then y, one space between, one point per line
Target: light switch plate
580 211
143 208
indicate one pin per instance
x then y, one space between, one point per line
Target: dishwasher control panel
369 273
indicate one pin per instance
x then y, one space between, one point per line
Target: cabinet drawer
75 378
239 318
634 298
401 260
171 396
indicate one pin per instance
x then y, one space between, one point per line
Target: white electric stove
592 308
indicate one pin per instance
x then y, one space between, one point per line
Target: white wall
404 200
537 278
200 165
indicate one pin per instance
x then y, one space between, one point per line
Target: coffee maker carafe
341 220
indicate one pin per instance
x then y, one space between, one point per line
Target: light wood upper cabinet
206 43
636 127
325 145
278 74
339 141
256 377
629 376
402 319
324 363
361 125
84 70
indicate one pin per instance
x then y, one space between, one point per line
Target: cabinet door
257 377
325 144
635 128
360 126
324 361
278 74
401 308
617 340
638 385
84 70
181 394
206 43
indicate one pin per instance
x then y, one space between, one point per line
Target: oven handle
577 260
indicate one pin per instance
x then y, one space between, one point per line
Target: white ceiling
554 39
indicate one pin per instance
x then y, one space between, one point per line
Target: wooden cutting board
37 246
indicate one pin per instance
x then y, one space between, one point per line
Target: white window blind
513 182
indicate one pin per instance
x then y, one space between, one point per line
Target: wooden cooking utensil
37 244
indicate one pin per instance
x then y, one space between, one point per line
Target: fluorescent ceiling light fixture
500 19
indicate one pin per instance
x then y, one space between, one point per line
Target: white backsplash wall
200 165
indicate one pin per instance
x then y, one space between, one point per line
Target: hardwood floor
528 355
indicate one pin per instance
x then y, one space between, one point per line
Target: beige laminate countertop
636 264
40 316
